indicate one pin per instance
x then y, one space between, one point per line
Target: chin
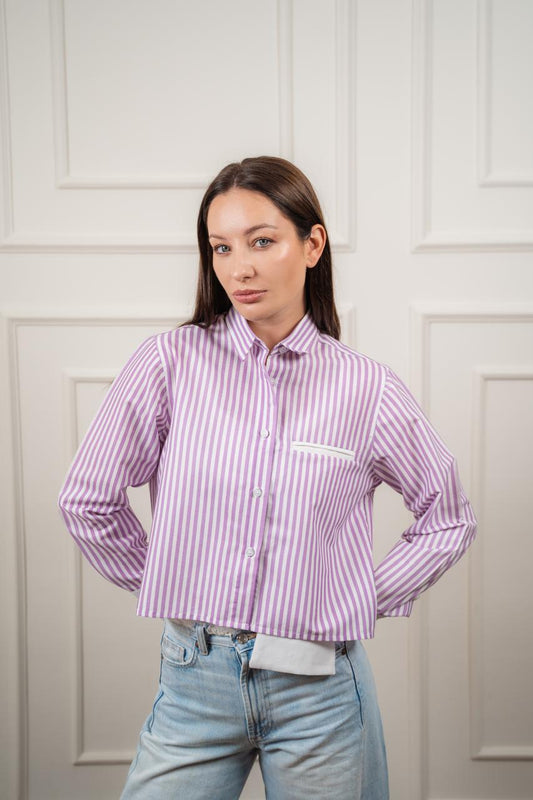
252 315
251 310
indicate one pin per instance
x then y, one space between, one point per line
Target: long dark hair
291 191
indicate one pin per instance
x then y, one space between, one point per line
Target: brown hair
291 191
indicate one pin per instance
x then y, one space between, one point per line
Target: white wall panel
505 78
477 651
473 163
129 115
501 598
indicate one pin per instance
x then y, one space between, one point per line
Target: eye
216 249
263 239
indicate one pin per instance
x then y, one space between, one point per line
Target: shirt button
257 492
264 433
250 552
273 381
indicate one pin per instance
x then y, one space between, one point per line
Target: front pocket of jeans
357 689
319 449
178 654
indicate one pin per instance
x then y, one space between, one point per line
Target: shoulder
379 378
353 359
184 346
184 336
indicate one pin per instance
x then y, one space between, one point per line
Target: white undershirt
293 655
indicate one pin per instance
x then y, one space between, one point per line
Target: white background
414 121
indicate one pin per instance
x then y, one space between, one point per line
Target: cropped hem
336 635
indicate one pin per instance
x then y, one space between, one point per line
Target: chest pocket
324 450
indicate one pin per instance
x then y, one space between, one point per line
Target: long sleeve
409 455
121 448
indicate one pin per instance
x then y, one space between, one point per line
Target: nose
242 267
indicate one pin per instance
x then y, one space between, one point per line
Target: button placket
259 492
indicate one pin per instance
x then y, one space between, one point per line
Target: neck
272 335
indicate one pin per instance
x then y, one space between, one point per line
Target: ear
314 245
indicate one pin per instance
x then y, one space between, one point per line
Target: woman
263 439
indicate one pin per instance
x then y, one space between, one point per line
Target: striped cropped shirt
262 470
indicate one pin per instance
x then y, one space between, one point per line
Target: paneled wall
414 122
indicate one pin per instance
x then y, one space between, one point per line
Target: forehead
239 208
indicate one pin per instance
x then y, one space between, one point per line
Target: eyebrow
247 231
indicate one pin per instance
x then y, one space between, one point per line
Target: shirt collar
299 340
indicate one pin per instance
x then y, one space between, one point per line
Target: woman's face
260 261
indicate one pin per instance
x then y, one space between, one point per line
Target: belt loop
202 643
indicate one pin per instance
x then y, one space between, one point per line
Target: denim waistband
217 630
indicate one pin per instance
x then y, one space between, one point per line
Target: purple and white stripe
262 473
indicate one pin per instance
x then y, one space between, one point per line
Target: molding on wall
343 233
423 237
484 96
421 97
487 175
6 187
59 243
482 375
20 741
423 316
285 78
65 179
87 317
492 241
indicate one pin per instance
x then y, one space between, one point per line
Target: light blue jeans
315 736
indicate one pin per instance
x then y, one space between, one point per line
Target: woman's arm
409 455
121 448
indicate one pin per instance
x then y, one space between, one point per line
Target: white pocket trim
324 450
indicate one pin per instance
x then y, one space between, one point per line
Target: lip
248 295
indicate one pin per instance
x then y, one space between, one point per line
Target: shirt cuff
403 610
